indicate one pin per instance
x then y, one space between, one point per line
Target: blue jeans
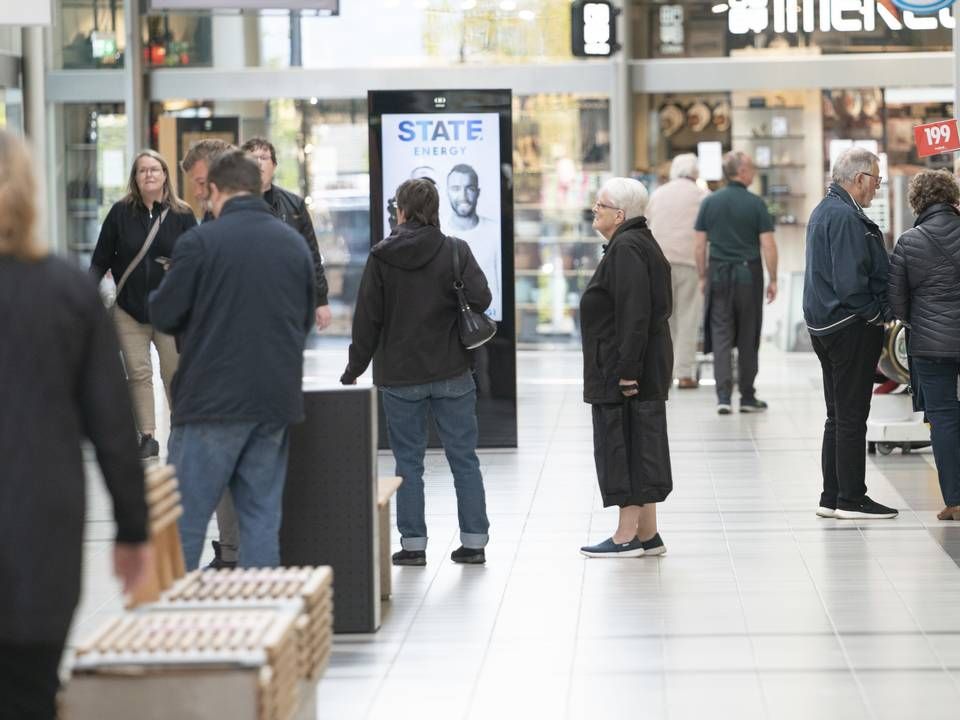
453 403
938 386
248 457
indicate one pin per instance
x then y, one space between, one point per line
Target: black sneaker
149 447
410 557
865 509
654 546
468 556
218 563
752 405
611 549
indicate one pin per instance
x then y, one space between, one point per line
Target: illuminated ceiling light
527 15
508 5
721 8
313 101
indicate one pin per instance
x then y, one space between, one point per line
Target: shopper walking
627 361
407 315
738 228
196 166
924 292
672 213
136 241
60 382
845 306
240 296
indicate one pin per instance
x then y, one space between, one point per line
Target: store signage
594 28
324 7
790 16
937 137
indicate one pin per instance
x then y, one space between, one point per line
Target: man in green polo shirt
739 229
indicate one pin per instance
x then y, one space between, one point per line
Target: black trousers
29 681
736 312
848 359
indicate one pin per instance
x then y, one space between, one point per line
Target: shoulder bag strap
457 279
151 236
940 247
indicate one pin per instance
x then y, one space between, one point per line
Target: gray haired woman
627 369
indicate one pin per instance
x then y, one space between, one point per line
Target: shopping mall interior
760 609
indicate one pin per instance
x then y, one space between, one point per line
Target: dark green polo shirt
733 219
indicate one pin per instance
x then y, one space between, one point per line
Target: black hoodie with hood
406 314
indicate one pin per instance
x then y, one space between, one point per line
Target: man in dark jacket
292 209
845 306
239 294
406 320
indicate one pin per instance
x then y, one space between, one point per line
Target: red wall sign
938 137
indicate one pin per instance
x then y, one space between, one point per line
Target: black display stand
494 364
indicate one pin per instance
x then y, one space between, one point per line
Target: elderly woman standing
627 369
924 293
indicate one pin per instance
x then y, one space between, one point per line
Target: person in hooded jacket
406 320
628 369
924 293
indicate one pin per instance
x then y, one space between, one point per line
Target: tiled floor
759 610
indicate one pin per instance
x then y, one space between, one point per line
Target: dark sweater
60 382
406 315
239 294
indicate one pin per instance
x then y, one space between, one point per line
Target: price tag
938 137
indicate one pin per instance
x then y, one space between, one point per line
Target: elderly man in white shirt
671 214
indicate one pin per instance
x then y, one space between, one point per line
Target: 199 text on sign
937 137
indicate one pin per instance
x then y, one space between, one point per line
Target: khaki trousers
135 339
685 320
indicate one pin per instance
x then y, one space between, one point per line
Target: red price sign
938 137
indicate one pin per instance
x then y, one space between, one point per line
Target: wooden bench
386 487
163 503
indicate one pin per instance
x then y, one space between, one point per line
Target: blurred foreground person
924 292
60 381
627 369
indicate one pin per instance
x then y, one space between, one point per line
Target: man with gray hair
671 214
738 228
845 306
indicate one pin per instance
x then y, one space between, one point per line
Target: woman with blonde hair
135 244
60 382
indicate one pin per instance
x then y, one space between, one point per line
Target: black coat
292 209
406 311
924 287
239 294
123 233
623 317
60 382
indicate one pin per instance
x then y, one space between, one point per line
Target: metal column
134 94
35 112
621 99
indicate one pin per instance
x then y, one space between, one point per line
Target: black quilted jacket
924 286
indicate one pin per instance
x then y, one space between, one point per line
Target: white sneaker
826 512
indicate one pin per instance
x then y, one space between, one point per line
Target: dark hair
205 150
419 201
464 169
259 143
732 162
929 187
235 172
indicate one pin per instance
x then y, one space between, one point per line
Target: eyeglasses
599 204
150 171
261 158
877 178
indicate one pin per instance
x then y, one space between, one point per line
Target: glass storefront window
178 40
91 33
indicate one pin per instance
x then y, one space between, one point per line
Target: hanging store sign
791 16
937 137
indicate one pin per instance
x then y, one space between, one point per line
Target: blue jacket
240 294
847 266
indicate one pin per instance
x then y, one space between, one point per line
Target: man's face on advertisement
463 193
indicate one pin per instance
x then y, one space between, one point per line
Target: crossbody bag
138 258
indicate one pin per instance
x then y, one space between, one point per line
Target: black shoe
218 563
410 557
148 447
865 509
654 546
752 405
827 507
468 556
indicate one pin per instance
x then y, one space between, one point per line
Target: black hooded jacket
924 286
406 314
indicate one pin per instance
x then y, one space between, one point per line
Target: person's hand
771 291
324 317
131 563
629 388
347 380
702 284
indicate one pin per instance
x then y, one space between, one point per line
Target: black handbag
475 328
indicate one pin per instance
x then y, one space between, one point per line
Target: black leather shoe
218 563
410 557
468 556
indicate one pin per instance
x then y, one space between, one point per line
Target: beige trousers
686 319
135 339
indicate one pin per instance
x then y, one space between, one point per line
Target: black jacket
239 293
123 233
406 311
60 382
623 318
924 288
292 209
847 266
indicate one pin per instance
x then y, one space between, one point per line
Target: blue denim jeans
453 403
938 386
248 457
